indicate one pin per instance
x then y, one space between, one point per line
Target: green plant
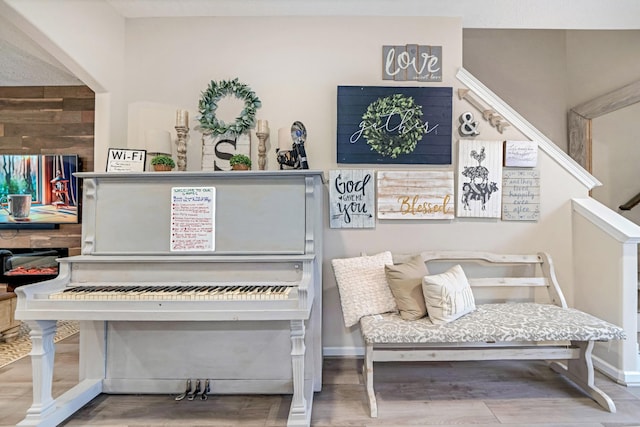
208 105
382 131
240 159
163 160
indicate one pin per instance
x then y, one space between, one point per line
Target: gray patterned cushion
493 322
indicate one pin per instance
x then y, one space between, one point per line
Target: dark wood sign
402 125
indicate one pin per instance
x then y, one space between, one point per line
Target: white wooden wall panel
217 150
479 179
520 194
415 194
351 198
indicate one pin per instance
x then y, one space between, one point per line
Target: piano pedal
195 391
205 390
186 391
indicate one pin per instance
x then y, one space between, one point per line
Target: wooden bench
530 322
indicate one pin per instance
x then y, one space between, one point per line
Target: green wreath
208 105
382 136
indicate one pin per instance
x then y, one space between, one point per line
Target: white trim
343 352
607 220
515 119
627 378
590 14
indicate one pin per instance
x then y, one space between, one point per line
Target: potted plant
240 162
163 162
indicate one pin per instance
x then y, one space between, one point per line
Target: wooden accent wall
47 120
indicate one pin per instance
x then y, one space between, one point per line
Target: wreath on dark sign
389 135
208 105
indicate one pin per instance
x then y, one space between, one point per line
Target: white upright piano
246 316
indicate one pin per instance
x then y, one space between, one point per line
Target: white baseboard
628 378
343 351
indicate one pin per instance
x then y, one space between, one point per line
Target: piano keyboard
217 292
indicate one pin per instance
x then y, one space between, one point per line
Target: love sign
412 62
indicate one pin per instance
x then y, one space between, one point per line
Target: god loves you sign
351 197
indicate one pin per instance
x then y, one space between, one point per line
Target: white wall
599 62
542 74
616 153
527 69
294 65
87 37
612 60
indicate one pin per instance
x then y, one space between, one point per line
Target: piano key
215 292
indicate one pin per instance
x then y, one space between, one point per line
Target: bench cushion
493 323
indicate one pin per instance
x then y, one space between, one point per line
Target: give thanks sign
415 195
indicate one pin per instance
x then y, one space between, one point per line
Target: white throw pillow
363 286
447 296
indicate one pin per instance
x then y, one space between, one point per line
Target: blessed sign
351 198
415 195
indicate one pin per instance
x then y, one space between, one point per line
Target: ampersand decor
209 103
468 126
393 125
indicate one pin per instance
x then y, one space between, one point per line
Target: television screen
39 189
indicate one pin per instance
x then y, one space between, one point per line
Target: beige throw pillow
363 286
448 296
405 281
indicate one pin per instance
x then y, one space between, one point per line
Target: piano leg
45 411
42 355
300 412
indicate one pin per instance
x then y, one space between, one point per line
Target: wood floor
477 394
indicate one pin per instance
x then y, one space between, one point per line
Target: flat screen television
38 191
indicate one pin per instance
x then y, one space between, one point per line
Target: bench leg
580 371
367 373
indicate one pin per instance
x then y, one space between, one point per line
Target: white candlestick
263 126
284 139
182 118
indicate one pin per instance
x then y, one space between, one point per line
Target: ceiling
25 63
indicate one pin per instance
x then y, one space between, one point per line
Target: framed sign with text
479 179
523 154
415 194
412 62
125 160
217 150
351 198
401 125
193 213
520 194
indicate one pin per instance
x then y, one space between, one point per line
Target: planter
162 168
240 167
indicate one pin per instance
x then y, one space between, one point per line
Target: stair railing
631 203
